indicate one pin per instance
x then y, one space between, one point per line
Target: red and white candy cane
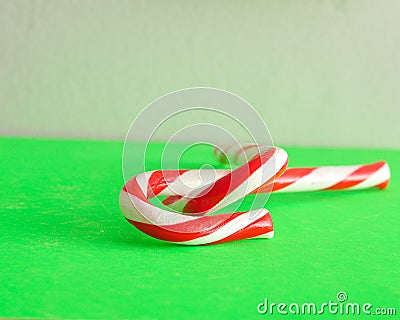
198 192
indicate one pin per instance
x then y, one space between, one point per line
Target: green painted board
67 252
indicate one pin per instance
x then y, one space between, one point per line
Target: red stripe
212 195
188 230
171 199
160 179
357 176
133 188
383 185
259 227
267 186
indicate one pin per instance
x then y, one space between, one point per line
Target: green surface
67 252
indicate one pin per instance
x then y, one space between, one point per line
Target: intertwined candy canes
195 193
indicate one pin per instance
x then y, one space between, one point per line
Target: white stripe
138 210
143 181
268 235
193 193
192 179
228 229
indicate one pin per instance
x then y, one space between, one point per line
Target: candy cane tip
383 185
385 175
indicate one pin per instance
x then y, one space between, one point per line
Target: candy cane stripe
210 197
357 176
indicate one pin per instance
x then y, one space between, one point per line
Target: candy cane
331 178
198 192
354 177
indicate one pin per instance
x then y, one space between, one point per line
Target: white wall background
320 72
